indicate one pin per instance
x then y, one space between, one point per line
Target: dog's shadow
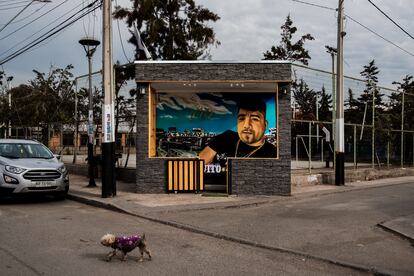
116 258
100 257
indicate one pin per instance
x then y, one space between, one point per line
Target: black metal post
108 170
90 44
91 133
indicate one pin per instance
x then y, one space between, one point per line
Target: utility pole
402 130
333 53
373 127
108 122
340 135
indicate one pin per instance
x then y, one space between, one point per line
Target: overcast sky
247 28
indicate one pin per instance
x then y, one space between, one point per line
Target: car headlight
15 170
62 170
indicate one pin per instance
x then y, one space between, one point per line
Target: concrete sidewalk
148 205
142 204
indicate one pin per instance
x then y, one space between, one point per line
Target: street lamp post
90 44
8 80
75 137
9 89
333 51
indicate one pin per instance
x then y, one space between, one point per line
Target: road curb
395 232
96 203
114 207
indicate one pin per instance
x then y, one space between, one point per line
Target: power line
27 16
45 42
359 23
387 40
40 16
83 21
395 23
14 3
120 37
94 19
11 8
5 1
50 23
49 33
14 17
314 5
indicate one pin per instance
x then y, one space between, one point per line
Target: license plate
44 183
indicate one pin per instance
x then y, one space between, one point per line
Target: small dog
125 245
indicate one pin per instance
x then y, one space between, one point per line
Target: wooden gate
185 175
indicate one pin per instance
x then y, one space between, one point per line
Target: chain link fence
377 145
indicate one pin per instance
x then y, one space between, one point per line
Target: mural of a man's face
251 126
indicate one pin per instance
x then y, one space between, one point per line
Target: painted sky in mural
212 112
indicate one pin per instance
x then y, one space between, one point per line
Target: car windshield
14 150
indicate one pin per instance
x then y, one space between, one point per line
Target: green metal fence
367 144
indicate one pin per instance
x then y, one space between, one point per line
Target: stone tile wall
268 177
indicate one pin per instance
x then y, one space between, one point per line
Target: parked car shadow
29 199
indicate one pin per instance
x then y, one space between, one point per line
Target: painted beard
247 137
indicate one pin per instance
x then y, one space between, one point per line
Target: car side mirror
57 156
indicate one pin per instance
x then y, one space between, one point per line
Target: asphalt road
338 226
46 237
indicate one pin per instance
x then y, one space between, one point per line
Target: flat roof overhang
202 71
212 62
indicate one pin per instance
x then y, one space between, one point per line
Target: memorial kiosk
185 106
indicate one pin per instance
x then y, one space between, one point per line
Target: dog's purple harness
126 244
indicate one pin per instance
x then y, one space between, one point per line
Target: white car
27 166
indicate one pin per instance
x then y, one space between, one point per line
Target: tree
49 99
371 92
325 105
288 50
352 105
406 87
4 103
370 73
171 29
376 115
21 100
305 99
4 81
395 105
52 92
125 105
